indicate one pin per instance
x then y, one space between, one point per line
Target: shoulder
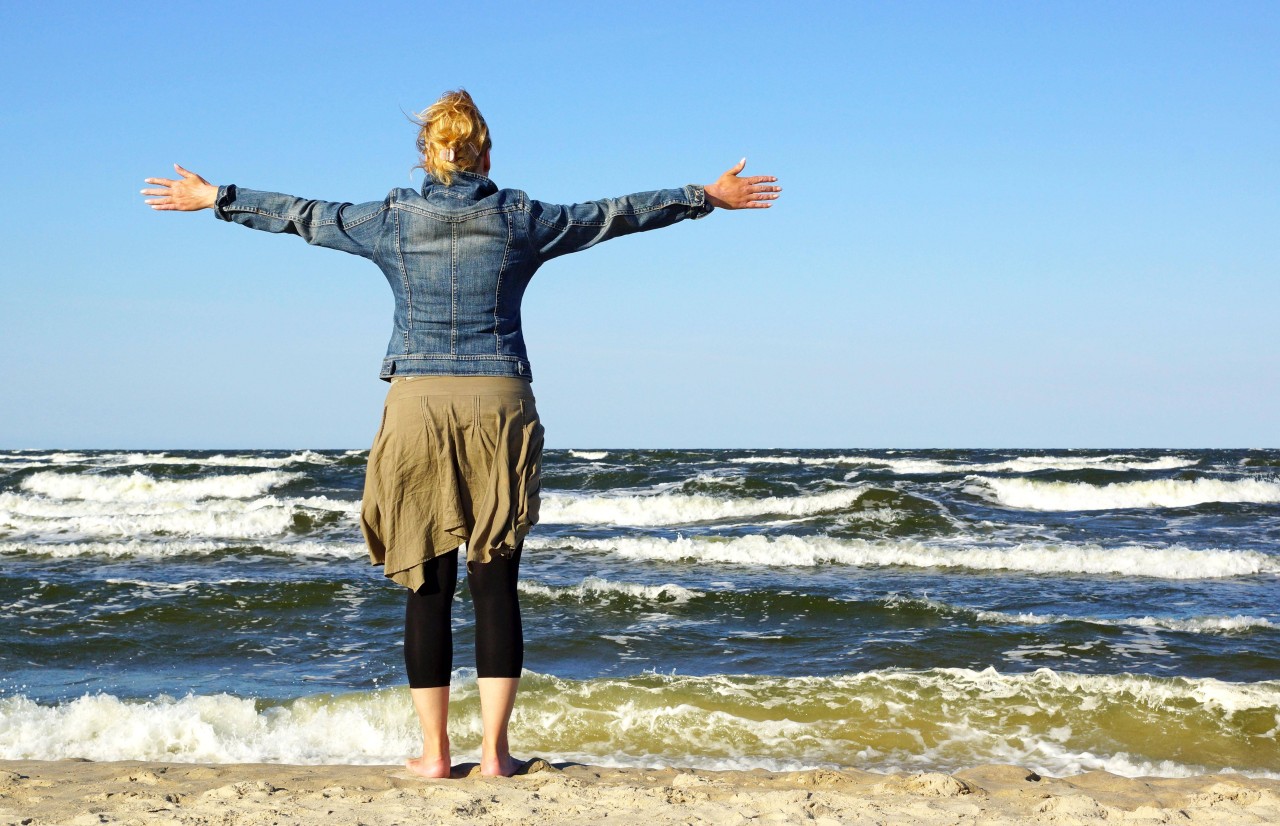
403 194
513 197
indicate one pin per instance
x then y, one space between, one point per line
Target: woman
457 457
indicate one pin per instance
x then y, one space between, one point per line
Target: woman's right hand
188 194
731 192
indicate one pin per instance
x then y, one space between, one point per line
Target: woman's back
458 257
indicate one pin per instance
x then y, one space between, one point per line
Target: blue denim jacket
458 257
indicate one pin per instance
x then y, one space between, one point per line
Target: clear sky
1013 224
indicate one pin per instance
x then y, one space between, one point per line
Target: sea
889 610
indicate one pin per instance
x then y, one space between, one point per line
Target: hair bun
452 136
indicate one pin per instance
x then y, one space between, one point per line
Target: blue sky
1002 225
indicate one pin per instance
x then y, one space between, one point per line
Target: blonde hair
452 127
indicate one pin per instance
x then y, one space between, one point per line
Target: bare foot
500 767
427 767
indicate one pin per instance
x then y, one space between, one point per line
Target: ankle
434 747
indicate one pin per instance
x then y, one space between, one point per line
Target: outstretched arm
557 229
353 228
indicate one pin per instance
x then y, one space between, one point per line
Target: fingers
736 168
166 195
758 196
184 173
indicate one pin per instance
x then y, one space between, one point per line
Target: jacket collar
465 184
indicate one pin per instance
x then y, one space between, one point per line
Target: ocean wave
37 517
165 548
1194 625
594 588
679 509
310 457
591 455
1032 494
229 518
1172 562
307 457
1020 464
140 487
1054 722
17 460
173 588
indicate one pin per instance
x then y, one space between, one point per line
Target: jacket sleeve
559 229
352 228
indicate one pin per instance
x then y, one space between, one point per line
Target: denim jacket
458 257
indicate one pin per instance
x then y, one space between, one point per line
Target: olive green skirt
456 460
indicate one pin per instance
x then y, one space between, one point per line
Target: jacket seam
452 357
497 290
453 219
574 223
526 212
306 222
408 290
453 289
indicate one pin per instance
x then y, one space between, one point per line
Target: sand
80 792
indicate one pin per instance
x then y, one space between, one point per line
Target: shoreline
82 792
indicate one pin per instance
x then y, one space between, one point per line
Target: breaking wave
1173 562
1032 494
943 719
681 509
1021 464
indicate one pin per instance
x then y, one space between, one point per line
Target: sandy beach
79 792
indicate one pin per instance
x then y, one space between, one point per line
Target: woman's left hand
189 193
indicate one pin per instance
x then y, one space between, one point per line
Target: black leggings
428 632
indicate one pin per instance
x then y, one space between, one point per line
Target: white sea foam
1032 494
165 548
174 509
594 587
350 507
1021 464
140 487
166 589
592 455
1195 625
109 460
884 720
60 457
213 728
1173 562
79 520
309 457
679 509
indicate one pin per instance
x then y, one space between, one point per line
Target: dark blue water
146 575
